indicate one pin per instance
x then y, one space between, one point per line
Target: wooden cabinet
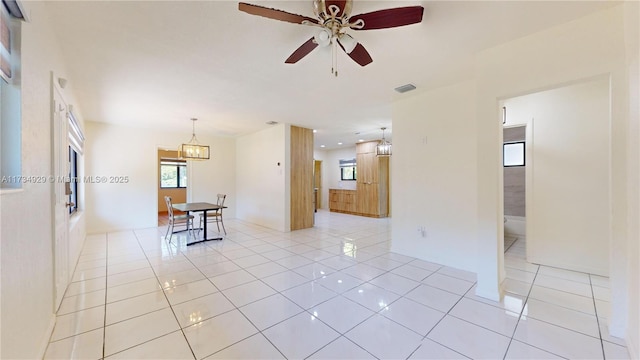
342 200
372 181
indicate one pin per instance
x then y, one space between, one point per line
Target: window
348 169
73 180
10 100
173 174
513 154
76 150
6 40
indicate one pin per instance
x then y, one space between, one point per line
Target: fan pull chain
334 58
333 53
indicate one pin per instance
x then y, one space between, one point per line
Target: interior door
317 182
60 161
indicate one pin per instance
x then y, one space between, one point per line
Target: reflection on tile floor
331 292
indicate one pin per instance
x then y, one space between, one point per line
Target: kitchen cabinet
342 201
372 181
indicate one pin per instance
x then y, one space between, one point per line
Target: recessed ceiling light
321 145
315 131
339 143
361 140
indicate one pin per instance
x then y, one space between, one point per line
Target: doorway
60 150
317 183
172 181
567 183
514 182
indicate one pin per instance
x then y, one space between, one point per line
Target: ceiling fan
334 18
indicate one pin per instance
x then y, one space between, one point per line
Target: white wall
434 182
262 185
582 49
113 150
588 47
26 258
632 45
568 203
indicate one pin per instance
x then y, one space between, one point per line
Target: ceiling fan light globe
323 38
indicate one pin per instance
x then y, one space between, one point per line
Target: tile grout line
234 308
439 321
308 280
166 297
355 302
147 341
526 300
595 308
522 311
315 262
303 309
347 339
513 243
106 286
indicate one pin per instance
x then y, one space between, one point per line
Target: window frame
178 164
73 180
348 164
524 153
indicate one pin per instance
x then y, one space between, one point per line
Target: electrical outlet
423 231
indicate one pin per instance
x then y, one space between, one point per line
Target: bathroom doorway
567 169
514 182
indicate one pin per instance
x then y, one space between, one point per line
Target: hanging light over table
384 147
193 150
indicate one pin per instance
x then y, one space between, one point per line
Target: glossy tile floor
331 292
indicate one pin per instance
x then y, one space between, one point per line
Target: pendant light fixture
193 150
384 147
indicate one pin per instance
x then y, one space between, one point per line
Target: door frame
317 175
60 170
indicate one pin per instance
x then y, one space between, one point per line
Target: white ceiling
160 63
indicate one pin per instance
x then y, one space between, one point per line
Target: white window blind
5 49
347 162
10 11
15 8
76 138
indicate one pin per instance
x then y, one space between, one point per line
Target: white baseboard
568 266
515 225
44 343
490 294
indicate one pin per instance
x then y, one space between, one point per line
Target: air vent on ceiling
271 122
405 88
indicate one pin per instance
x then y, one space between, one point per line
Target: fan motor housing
321 7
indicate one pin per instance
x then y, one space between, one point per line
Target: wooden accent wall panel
301 178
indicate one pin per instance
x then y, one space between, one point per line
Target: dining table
197 207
